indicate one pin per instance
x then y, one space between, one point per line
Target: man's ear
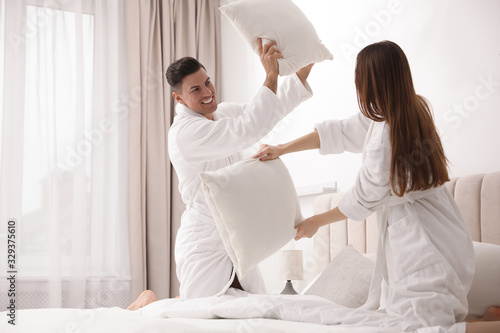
178 98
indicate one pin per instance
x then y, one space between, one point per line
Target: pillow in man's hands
281 21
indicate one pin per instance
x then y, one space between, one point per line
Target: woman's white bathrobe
197 144
425 260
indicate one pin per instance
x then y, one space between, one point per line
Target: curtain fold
64 150
159 32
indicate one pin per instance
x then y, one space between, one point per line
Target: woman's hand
308 141
308 228
311 225
267 152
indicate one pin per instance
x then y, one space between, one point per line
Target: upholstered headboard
478 197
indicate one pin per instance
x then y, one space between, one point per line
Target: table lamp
290 268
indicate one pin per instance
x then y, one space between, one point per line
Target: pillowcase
485 289
255 207
346 279
281 21
338 280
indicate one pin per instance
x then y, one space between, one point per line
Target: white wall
453 47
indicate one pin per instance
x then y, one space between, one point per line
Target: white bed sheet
106 320
242 312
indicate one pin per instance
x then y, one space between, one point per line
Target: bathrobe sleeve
372 182
372 186
337 136
201 140
290 92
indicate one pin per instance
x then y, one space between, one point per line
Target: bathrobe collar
181 109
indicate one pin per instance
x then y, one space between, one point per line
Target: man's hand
303 73
269 56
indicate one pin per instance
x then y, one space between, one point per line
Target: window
52 58
71 189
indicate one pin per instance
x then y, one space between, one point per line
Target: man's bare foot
492 314
145 298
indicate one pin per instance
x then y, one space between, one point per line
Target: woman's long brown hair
385 93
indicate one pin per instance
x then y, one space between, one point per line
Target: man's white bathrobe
425 260
197 144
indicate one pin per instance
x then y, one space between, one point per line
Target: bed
478 197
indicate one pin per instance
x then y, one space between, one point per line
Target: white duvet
240 311
298 308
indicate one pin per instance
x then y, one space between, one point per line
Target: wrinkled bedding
235 311
297 308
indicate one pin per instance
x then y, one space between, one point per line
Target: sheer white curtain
63 162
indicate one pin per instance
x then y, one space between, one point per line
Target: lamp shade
291 267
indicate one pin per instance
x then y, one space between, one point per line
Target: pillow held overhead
282 21
255 208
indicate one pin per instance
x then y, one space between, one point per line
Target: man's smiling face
198 93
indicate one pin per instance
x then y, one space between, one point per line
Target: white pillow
255 208
485 289
282 21
337 281
346 279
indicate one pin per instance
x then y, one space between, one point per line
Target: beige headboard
478 197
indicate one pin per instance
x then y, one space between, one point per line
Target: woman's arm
311 225
306 142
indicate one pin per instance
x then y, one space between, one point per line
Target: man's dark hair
181 68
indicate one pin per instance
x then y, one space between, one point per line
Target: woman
425 258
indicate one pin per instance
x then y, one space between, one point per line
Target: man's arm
202 140
269 56
303 73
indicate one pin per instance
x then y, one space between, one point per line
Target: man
206 136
